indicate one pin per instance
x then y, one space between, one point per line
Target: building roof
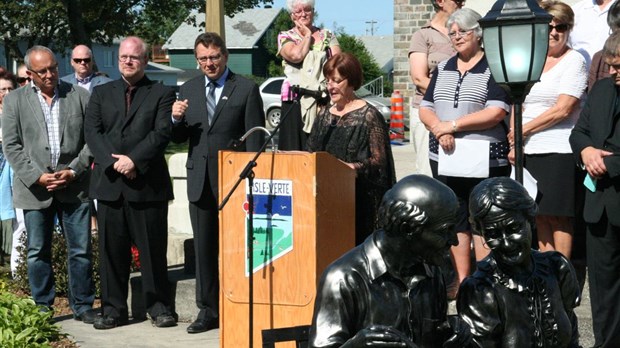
156 67
382 49
244 30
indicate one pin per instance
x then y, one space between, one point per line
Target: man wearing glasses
212 110
127 128
82 62
43 140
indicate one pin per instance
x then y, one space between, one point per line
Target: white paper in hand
470 159
530 184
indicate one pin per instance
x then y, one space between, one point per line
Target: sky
353 15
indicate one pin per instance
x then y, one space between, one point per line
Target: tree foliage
355 46
65 23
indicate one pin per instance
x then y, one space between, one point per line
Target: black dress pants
603 259
205 225
145 224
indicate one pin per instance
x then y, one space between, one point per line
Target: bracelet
453 126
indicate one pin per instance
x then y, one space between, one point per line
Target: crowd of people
81 144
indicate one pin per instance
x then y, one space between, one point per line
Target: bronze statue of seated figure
518 297
389 291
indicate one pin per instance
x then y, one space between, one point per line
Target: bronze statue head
503 211
419 213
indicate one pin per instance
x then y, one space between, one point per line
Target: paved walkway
144 335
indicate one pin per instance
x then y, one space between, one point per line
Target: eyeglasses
81 60
5 90
306 10
214 59
21 80
560 28
460 33
43 72
335 82
127 59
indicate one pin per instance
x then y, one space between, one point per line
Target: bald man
84 76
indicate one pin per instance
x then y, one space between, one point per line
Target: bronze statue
389 291
518 297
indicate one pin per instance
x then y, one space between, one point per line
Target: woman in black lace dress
518 297
356 133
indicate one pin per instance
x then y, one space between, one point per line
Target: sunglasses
80 60
560 28
23 79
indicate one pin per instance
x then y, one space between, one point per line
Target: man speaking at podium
212 111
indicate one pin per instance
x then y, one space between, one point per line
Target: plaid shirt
52 120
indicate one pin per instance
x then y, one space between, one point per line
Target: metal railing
375 86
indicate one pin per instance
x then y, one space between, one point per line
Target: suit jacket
596 124
96 81
239 108
27 148
142 135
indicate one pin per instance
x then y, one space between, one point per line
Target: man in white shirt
591 29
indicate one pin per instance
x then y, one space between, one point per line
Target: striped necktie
211 101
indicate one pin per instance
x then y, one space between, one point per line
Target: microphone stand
248 173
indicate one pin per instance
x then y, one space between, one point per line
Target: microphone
300 91
235 144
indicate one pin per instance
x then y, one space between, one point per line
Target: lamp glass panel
493 53
517 42
541 44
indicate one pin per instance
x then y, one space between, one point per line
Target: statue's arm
477 305
571 292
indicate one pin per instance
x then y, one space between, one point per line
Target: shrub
23 324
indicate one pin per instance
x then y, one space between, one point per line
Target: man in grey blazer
210 125
83 62
43 140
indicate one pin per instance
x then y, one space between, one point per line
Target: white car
272 104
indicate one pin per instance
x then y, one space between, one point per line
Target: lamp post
516 39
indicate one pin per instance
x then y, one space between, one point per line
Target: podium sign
273 221
304 219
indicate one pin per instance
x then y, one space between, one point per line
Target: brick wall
409 16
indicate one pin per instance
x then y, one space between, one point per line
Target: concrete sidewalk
143 335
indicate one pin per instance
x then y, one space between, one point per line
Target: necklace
335 121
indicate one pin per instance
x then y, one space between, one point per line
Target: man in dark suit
43 140
210 125
595 141
127 129
83 63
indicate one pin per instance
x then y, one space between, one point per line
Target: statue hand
458 332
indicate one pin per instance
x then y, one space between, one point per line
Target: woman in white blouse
550 111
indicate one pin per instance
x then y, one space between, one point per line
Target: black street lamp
516 39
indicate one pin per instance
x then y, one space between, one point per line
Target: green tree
355 46
62 24
282 22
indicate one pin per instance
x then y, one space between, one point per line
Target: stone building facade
409 16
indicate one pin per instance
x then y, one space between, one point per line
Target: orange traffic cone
397 126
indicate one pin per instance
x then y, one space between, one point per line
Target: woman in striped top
464 102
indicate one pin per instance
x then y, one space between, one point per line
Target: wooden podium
304 222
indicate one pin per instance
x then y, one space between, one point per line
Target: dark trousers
145 224
205 225
603 258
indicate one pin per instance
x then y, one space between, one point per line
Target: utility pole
214 17
372 27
